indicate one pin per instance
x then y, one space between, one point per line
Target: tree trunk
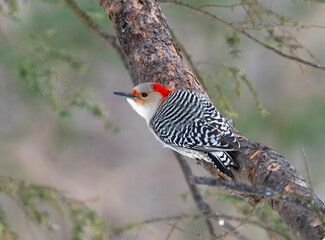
144 36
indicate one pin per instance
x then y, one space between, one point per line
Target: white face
146 101
147 111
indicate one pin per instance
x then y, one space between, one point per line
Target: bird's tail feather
223 161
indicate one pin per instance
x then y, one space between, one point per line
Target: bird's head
145 98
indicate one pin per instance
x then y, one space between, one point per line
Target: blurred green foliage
38 62
6 232
262 213
233 41
31 198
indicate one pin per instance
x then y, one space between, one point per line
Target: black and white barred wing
186 119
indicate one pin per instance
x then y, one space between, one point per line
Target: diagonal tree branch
153 55
203 206
200 203
111 41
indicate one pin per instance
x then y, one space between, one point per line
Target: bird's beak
125 94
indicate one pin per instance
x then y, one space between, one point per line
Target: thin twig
44 228
196 235
226 6
201 204
278 16
262 24
316 210
188 58
109 39
171 231
243 32
214 216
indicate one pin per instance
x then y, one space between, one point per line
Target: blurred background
54 129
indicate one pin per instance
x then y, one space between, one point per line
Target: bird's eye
144 94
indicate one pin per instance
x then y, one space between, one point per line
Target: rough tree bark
144 36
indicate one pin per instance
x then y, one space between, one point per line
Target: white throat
146 111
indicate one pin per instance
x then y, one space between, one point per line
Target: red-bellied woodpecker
186 122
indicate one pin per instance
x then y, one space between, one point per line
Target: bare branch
243 32
109 39
319 212
200 203
212 216
171 231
